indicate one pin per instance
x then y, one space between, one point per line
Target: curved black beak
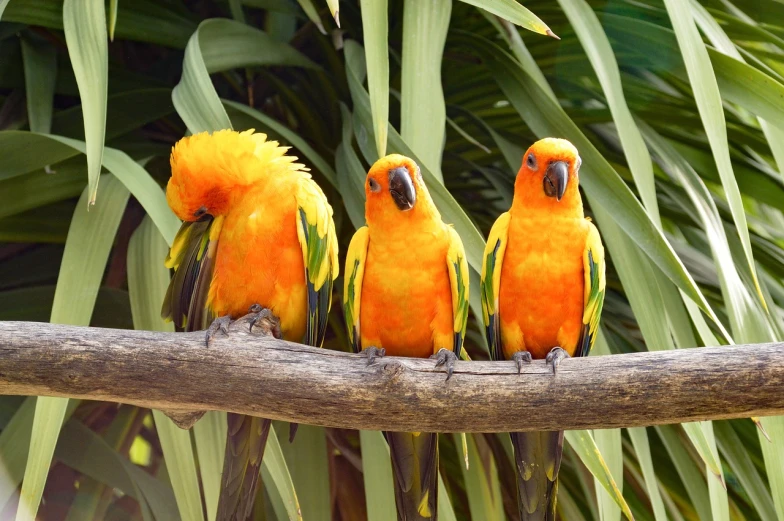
555 179
401 188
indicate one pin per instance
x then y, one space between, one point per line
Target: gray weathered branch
254 374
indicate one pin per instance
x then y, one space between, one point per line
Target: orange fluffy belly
541 298
406 306
259 261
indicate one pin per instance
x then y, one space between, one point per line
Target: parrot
257 237
542 292
406 294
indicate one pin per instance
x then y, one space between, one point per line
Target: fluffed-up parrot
406 294
542 289
257 237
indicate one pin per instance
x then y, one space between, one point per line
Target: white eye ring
530 161
373 184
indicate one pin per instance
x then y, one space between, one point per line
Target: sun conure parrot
258 235
542 294
406 294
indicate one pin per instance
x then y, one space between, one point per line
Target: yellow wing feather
491 283
352 284
459 280
593 268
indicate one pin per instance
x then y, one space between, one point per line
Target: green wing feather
317 237
457 267
491 283
593 265
352 285
192 256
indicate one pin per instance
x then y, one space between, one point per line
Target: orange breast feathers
406 303
259 259
542 285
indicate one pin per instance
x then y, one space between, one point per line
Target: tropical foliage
676 108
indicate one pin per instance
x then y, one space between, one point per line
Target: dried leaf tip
336 16
551 34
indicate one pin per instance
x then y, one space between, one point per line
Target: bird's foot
219 324
446 358
521 357
263 318
555 357
372 352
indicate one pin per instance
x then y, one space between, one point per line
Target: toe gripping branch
446 358
257 317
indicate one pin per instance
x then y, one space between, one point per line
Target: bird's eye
200 212
530 161
373 184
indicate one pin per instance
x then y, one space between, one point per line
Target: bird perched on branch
406 294
258 237
542 294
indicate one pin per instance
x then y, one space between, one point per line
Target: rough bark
254 374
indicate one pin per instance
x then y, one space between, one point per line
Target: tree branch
254 374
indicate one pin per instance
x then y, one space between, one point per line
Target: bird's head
394 189
210 170
548 177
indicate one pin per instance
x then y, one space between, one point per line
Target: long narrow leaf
375 26
84 22
377 475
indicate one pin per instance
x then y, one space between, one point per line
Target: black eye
530 161
373 184
200 212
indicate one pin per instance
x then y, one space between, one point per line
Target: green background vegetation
676 106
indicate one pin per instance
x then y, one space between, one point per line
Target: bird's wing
192 256
319 242
593 267
352 284
458 278
491 283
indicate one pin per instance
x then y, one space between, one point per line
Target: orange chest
542 286
259 261
406 303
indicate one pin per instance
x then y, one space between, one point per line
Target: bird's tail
415 467
247 437
538 458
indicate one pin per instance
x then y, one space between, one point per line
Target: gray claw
264 314
445 357
219 324
521 357
555 357
372 353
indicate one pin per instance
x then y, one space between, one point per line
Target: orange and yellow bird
406 294
257 235
542 294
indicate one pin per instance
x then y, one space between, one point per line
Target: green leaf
218 45
306 459
334 8
377 475
583 444
312 14
422 108
445 510
708 98
350 173
181 465
90 239
375 29
642 449
484 499
112 17
596 45
84 22
737 456
275 475
40 68
210 436
690 475
773 452
514 12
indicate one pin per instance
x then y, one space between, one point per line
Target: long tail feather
538 458
415 467
247 438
